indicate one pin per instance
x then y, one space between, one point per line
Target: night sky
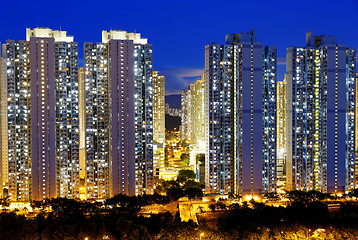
179 30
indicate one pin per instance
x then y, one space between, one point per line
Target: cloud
177 78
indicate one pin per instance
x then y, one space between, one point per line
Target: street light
201 235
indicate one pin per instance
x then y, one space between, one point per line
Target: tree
4 202
174 193
169 184
200 159
271 196
185 175
191 183
193 192
212 207
15 226
298 196
184 144
200 209
220 205
315 195
235 206
232 195
185 158
353 193
245 205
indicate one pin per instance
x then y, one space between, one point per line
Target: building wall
185 114
67 119
82 133
281 134
159 107
219 161
42 116
270 119
143 70
97 123
351 116
320 115
252 141
197 112
158 123
18 121
119 115
4 130
196 125
122 120
236 79
356 140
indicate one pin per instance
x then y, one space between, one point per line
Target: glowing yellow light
248 197
281 191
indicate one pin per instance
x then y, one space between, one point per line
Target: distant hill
174 101
172 122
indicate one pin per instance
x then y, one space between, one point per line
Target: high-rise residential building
96 87
356 146
197 112
270 119
281 134
119 115
16 121
41 116
240 88
172 111
82 133
320 131
185 114
193 122
197 121
3 124
158 123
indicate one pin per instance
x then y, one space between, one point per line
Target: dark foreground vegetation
184 186
298 220
117 218
307 216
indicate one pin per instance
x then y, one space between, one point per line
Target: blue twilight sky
179 30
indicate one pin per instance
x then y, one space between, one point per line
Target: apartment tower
240 124
281 134
119 115
158 123
41 116
320 131
185 114
4 178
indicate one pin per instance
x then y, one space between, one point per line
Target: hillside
172 122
